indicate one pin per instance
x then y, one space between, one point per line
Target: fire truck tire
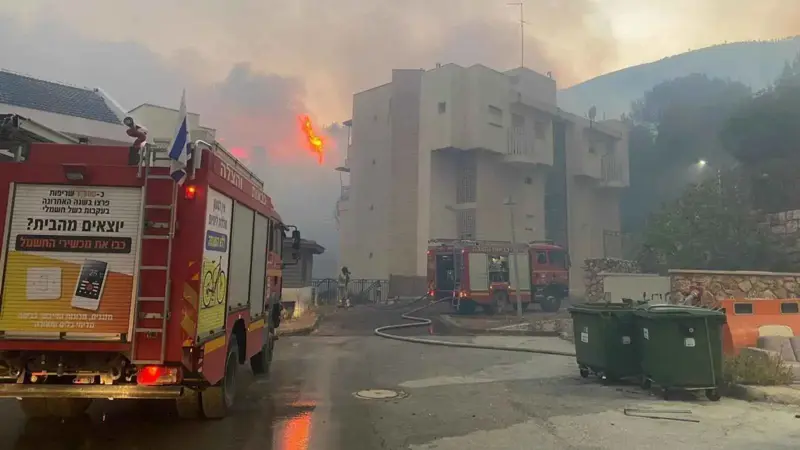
550 303
218 399
260 362
188 405
465 307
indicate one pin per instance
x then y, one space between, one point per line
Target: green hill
755 64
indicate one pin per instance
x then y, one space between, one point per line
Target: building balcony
612 172
524 148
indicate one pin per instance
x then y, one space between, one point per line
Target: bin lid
667 311
600 308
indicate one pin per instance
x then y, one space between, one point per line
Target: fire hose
423 322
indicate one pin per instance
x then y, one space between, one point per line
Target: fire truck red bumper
91 391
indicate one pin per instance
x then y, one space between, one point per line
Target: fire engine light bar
74 172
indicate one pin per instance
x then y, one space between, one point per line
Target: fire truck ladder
153 332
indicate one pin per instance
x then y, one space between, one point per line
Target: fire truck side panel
47 164
245 286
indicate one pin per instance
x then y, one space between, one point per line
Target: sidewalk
301 326
784 395
533 323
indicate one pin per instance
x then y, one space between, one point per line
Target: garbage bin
681 348
604 340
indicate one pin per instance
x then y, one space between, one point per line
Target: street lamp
511 203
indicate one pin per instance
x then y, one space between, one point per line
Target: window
465 228
442 107
495 116
743 308
541 257
467 174
241 255
790 308
558 258
541 130
258 267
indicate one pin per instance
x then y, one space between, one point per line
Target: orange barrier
747 319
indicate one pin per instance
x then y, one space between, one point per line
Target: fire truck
481 273
119 283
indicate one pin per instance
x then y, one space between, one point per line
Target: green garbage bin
681 348
604 343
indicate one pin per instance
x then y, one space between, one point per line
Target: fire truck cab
482 273
119 283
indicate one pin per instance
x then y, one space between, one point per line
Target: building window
442 107
465 228
528 180
495 116
541 130
467 174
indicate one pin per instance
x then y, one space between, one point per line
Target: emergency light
190 192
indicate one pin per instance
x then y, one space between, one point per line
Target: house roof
28 92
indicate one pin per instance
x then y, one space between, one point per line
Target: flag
178 150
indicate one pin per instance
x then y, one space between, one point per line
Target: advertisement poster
71 259
214 274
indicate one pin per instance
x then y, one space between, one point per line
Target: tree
674 125
712 226
764 136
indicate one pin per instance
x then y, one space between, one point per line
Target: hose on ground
422 322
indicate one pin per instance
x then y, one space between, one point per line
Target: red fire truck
482 273
117 283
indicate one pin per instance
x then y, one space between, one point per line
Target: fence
326 290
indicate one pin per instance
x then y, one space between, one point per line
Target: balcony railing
345 194
611 170
521 142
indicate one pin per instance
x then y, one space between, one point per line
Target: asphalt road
450 398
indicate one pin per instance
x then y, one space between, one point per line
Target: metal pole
516 259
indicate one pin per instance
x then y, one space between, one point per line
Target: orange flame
315 143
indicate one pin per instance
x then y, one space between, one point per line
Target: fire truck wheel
550 303
188 404
260 362
34 408
218 399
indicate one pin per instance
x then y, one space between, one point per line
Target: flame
315 142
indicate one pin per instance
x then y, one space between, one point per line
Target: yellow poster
214 274
71 259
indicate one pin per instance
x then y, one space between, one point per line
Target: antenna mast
521 31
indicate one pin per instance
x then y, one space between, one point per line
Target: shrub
757 369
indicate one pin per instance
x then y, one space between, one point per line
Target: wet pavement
447 398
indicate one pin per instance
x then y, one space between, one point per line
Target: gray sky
251 66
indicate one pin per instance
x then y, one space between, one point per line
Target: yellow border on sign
216 344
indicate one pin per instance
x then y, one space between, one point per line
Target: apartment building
437 154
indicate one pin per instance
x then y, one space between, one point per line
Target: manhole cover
378 394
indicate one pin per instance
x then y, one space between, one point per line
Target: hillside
756 64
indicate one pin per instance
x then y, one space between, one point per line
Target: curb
756 394
304 331
453 325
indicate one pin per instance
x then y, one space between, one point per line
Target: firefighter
344 283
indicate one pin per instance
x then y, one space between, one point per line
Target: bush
762 370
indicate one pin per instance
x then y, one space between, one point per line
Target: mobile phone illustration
91 282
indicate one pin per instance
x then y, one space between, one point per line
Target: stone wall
594 281
713 285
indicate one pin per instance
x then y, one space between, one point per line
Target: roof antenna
592 115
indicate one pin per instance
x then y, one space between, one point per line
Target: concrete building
434 154
88 115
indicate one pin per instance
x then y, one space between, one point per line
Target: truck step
146 316
155 236
148 330
159 177
153 267
145 362
153 299
158 206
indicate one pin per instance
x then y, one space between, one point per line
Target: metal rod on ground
510 203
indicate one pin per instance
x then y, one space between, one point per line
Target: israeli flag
178 150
